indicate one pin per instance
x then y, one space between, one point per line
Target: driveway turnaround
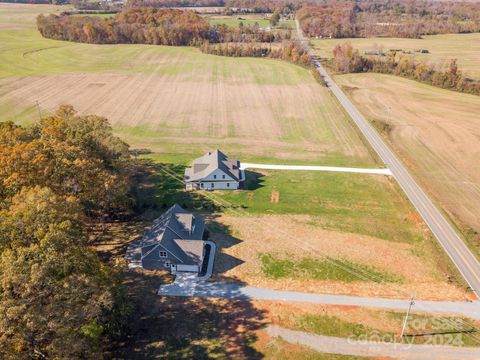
244 166
373 347
451 242
193 287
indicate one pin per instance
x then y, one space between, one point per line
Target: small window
228 184
223 176
212 185
167 264
163 254
214 176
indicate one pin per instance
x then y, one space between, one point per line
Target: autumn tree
54 292
73 155
275 18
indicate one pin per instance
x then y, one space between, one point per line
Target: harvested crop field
176 100
442 48
294 237
194 107
437 133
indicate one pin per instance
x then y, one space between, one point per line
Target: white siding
217 175
229 185
187 268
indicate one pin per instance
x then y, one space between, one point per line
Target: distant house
213 171
175 242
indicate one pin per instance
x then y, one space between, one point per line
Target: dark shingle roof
170 231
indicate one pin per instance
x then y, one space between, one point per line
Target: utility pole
38 108
406 316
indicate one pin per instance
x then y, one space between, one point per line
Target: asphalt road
454 246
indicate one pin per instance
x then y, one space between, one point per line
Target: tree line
257 6
291 51
57 299
154 26
132 26
393 18
348 60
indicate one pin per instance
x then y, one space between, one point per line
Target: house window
163 254
201 185
212 185
214 176
167 264
223 176
228 184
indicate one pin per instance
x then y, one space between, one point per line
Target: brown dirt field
436 131
180 110
238 258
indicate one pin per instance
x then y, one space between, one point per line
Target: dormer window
163 254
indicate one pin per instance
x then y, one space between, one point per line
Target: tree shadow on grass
253 180
223 237
187 328
159 186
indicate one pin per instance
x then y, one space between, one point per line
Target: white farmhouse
214 171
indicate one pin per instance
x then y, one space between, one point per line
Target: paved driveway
375 348
191 286
244 166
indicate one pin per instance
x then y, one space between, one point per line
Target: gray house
213 171
175 242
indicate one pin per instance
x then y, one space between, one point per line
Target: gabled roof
205 165
169 232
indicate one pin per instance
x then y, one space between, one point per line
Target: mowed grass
353 203
442 48
234 21
322 269
176 100
356 203
262 20
330 326
377 325
437 133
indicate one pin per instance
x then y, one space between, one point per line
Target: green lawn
262 20
463 47
322 269
421 328
263 23
235 20
331 326
355 203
